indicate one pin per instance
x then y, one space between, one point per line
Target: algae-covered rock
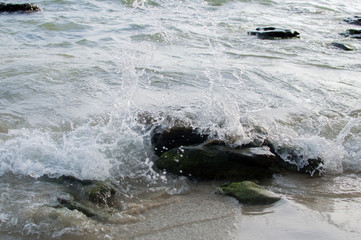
248 192
218 161
101 192
94 191
176 136
90 197
23 7
273 33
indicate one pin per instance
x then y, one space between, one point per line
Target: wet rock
147 118
183 150
101 193
25 7
342 46
215 160
67 180
92 198
352 33
96 192
164 139
355 20
292 160
248 192
72 204
273 33
258 137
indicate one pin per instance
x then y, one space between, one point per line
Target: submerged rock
101 193
95 192
248 192
25 7
164 139
342 46
72 204
355 20
352 33
273 33
218 161
92 198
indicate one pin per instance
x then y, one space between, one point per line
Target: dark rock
353 33
274 33
215 160
186 151
218 161
67 180
355 20
291 160
342 46
164 139
25 7
248 192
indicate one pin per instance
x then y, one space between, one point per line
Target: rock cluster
352 33
214 159
275 33
190 152
356 20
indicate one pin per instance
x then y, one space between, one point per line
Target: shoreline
325 208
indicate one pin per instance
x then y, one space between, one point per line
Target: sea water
76 77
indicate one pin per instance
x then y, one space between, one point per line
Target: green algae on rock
101 192
248 192
93 191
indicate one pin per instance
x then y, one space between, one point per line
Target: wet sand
317 208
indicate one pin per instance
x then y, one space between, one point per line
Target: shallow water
76 77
